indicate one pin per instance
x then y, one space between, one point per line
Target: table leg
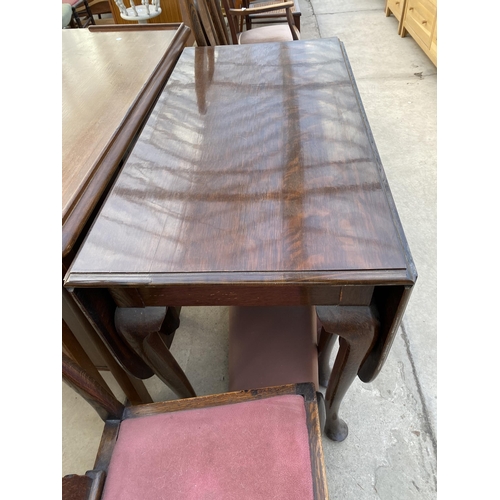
357 327
77 323
145 331
325 346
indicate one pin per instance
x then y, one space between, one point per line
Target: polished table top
255 181
256 165
105 75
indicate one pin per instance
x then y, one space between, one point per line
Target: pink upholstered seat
252 450
272 346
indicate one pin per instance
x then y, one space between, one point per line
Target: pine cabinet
419 19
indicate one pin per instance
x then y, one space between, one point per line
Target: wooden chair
278 16
81 14
248 444
206 20
98 8
140 13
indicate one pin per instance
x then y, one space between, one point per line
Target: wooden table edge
263 279
79 210
412 271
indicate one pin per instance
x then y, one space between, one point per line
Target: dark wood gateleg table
256 181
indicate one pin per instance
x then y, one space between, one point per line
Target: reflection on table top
256 164
103 75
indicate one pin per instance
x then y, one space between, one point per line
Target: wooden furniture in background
419 19
81 13
272 33
271 17
208 23
170 13
396 8
110 83
140 13
249 444
295 209
99 8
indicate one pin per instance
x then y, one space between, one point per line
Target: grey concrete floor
391 449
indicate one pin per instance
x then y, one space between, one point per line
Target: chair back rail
215 10
192 19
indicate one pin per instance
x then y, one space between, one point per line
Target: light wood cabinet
419 19
396 8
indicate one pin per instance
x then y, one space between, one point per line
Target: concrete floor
391 449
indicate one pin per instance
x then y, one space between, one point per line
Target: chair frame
113 413
78 8
235 14
272 18
206 20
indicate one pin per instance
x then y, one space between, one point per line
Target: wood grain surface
107 81
256 161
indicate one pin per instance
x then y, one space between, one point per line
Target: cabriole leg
357 327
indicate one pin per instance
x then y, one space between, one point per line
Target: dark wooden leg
170 325
87 487
166 366
99 308
77 19
144 330
72 348
296 19
325 346
357 327
133 387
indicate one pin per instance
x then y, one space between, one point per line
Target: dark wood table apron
256 181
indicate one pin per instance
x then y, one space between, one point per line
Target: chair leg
321 409
88 12
91 19
357 328
76 17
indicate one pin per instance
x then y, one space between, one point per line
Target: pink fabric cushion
272 346
252 450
